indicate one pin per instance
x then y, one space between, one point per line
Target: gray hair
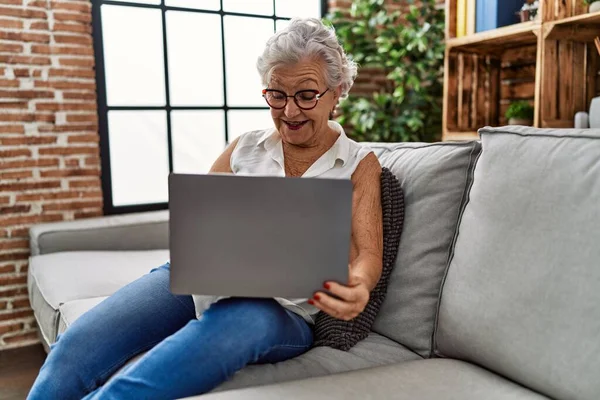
305 38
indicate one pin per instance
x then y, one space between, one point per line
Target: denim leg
232 333
132 320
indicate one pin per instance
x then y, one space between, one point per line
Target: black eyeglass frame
317 94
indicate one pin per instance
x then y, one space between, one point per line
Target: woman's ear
336 100
337 93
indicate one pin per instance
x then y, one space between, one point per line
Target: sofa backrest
435 178
522 293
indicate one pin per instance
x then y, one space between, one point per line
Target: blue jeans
186 357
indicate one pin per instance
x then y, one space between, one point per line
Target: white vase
595 7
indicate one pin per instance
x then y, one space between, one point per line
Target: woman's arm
367 223
366 248
223 163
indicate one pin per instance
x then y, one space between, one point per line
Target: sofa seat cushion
424 379
373 351
58 278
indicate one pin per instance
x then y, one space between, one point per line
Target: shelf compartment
570 74
581 28
471 91
495 40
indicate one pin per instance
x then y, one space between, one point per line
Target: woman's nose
291 109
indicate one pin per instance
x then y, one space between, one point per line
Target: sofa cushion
373 351
425 379
58 278
379 148
522 294
434 178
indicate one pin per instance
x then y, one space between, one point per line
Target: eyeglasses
304 99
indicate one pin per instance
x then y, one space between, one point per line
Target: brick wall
49 157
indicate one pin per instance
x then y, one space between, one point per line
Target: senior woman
194 343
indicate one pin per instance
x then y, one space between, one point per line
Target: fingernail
327 286
311 302
317 297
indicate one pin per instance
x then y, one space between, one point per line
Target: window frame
104 108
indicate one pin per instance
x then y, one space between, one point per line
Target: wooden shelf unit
551 62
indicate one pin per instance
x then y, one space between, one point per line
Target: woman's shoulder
249 142
361 151
250 153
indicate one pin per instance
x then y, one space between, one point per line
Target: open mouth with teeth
295 125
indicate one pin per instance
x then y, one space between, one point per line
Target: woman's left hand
352 299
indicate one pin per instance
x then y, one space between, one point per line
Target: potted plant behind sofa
405 52
520 113
594 5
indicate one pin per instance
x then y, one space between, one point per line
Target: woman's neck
299 158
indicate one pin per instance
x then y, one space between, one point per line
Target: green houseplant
520 113
409 49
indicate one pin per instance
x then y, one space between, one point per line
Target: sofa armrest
139 231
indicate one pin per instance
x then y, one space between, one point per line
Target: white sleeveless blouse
261 153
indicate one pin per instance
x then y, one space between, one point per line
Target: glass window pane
260 7
295 8
192 40
139 157
198 139
243 83
133 58
242 121
197 4
281 24
142 1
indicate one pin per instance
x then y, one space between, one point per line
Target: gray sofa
495 293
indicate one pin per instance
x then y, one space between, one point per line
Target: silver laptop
252 236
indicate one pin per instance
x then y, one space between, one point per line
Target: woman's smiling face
297 126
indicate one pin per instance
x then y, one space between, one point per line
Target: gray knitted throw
343 335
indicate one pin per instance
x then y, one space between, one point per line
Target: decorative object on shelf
461 18
584 120
529 11
520 113
406 48
466 17
597 41
492 14
524 14
471 4
594 5
595 113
